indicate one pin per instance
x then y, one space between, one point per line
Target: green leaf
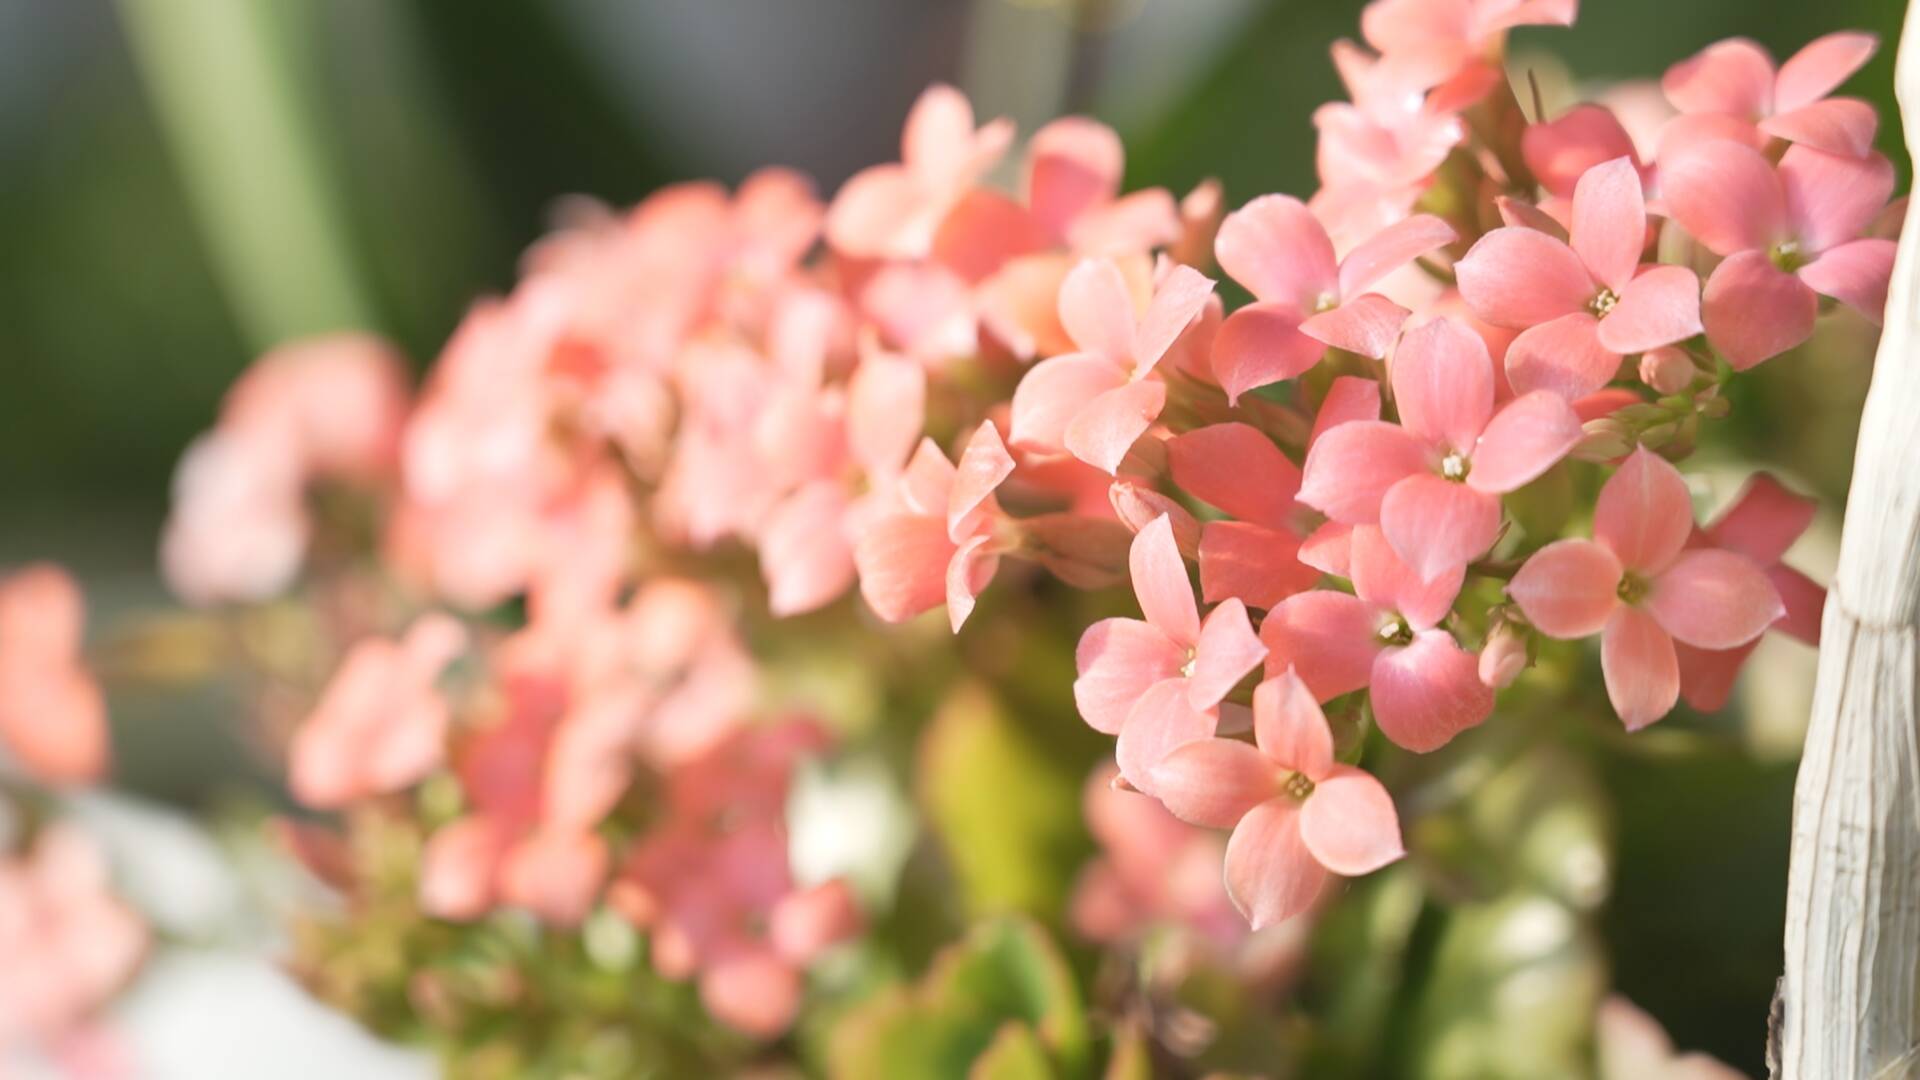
1014 1054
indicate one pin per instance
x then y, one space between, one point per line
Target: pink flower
1450 33
53 719
1425 689
381 724
1585 303
1638 586
70 943
1761 524
342 398
1736 79
1306 299
936 537
1158 682
1789 235
1254 555
1434 481
1560 151
891 211
1296 813
1097 402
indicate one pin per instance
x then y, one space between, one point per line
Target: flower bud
1667 369
1503 657
1606 440
1137 505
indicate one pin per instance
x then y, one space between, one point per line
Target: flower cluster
926 387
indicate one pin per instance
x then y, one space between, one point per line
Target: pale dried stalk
1850 1000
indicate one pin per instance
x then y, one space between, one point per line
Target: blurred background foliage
185 184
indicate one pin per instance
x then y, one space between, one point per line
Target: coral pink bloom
1074 167
238 526
1638 586
1787 233
1306 299
381 725
1433 482
1761 524
1153 870
1158 682
1097 402
1425 689
891 211
1736 79
342 397
1450 33
69 942
53 719
1585 303
939 540
1295 812
1560 151
1255 555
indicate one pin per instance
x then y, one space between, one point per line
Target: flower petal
1349 398
1271 876
1443 384
1714 599
1160 721
1289 727
1073 165
1052 393
1764 520
1520 278
1160 582
1428 692
968 573
1436 525
1832 199
984 466
1563 357
1381 577
1226 652
1237 469
1109 425
1644 514
1754 311
1820 67
1277 249
1365 325
1176 301
902 559
1844 126
1259 565
1349 823
1212 783
1117 660
1724 193
1610 221
1733 76
1642 671
1525 438
1561 151
1096 307
1568 588
1351 468
1856 274
1261 344
1659 307
1390 249
1327 637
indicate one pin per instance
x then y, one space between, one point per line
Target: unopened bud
1605 440
1137 506
1503 657
1667 369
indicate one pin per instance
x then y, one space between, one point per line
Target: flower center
1603 303
1395 631
1298 786
1633 588
1186 669
1455 466
1787 255
1326 301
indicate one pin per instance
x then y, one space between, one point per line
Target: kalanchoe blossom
1254 555
381 725
1448 34
70 943
1736 80
1095 403
1560 151
1385 638
1638 585
1763 521
1159 682
1296 813
1153 870
53 719
892 211
1586 302
1789 234
1434 481
1306 298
